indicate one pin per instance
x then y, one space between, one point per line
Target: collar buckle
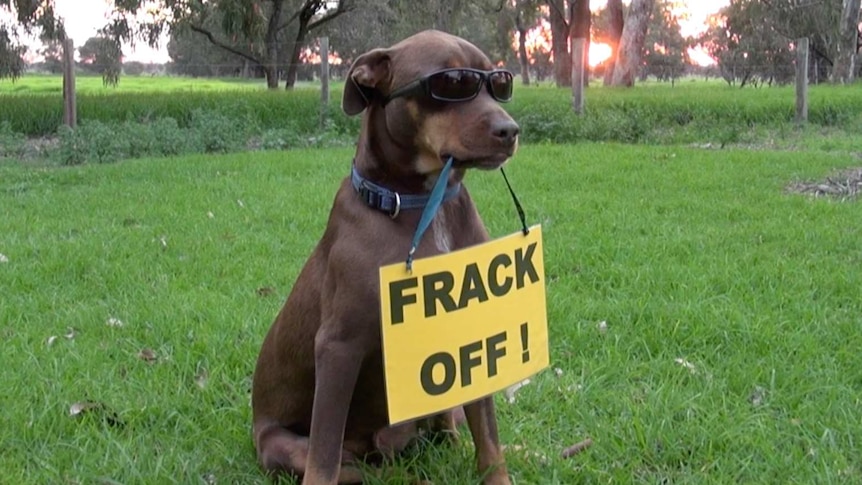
397 209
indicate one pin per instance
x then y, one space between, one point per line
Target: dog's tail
281 451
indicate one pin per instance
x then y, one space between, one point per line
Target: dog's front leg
337 364
483 428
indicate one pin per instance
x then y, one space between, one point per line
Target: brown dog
318 397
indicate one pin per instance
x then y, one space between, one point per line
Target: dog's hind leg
281 451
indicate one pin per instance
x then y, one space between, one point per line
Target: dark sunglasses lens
455 85
501 85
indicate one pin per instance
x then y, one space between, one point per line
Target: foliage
751 39
11 55
192 55
102 55
218 132
52 53
72 149
24 16
381 23
12 143
268 33
665 49
234 120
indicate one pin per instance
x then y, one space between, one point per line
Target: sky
85 17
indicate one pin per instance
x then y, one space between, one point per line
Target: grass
696 255
90 84
653 113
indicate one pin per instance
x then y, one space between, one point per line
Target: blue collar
391 202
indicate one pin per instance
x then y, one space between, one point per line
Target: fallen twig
577 448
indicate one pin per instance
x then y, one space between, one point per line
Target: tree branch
224 46
341 9
289 21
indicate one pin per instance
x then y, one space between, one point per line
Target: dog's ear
367 75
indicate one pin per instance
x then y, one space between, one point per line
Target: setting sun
692 21
599 53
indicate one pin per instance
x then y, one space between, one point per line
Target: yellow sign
463 325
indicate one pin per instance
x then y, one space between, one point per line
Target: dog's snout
506 130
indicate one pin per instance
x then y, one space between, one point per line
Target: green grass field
732 310
89 84
690 112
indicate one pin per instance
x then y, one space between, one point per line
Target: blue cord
430 210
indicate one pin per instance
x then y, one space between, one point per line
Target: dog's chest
442 233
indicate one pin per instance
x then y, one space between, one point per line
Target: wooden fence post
70 113
579 46
324 79
802 80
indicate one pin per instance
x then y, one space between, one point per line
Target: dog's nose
506 130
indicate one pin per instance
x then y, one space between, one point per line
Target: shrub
214 132
72 149
12 144
104 143
168 138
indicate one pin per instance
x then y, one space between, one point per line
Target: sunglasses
458 84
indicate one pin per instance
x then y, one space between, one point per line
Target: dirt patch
846 184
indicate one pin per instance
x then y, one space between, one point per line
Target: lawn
729 351
91 84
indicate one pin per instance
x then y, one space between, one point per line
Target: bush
72 149
138 124
214 132
12 144
168 138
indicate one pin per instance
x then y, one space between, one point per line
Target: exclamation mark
525 356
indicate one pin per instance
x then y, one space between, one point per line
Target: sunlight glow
599 53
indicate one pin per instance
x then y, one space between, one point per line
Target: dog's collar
389 201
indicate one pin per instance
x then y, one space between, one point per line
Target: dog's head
433 95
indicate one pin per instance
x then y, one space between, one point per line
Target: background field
731 350
692 111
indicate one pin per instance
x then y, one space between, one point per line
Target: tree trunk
304 18
560 43
631 43
581 21
270 72
845 62
293 60
615 12
522 49
270 68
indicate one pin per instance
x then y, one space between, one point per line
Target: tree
380 23
52 52
11 56
103 56
191 57
848 43
665 48
632 42
560 32
615 23
524 10
28 16
270 34
750 44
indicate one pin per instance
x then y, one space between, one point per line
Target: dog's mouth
490 162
